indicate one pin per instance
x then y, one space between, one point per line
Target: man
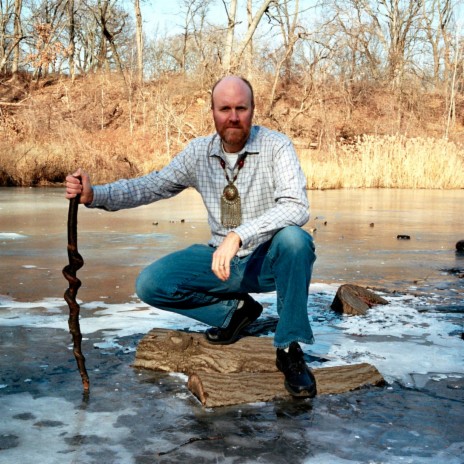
255 193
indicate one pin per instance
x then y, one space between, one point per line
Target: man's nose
234 115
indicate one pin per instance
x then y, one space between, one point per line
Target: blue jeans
183 282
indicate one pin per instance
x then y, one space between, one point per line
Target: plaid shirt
271 184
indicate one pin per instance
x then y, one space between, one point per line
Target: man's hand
224 254
78 183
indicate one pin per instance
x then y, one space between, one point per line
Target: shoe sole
300 394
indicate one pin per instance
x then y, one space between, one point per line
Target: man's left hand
224 254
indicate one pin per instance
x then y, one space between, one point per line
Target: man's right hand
78 183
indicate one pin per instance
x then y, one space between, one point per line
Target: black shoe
299 380
243 317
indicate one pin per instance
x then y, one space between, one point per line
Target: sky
164 16
167 16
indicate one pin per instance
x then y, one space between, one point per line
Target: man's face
232 113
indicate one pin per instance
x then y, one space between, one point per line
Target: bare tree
401 23
437 16
249 47
252 26
232 56
139 40
17 36
10 19
194 17
229 43
72 39
87 40
46 39
392 25
291 32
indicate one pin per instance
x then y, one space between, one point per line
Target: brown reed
386 162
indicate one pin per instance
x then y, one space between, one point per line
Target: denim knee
146 286
142 285
294 240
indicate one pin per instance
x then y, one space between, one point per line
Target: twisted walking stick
75 263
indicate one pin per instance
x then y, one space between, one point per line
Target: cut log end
195 385
355 300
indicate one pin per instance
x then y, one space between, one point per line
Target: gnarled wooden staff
75 263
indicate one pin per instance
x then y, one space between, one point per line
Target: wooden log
244 372
174 351
216 389
355 300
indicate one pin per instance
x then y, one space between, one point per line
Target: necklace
231 210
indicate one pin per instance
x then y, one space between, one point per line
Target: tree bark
214 390
244 372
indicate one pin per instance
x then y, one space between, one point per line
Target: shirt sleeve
157 185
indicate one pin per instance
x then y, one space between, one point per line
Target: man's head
232 104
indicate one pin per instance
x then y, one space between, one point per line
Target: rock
460 246
403 237
355 300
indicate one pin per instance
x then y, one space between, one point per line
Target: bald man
254 191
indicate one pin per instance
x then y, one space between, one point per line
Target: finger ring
222 265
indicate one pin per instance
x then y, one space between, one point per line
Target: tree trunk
72 39
139 40
249 47
227 58
244 372
252 28
17 36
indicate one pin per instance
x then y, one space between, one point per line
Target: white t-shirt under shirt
231 158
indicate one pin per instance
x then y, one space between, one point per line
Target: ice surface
140 417
397 338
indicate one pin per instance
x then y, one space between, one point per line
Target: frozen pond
138 417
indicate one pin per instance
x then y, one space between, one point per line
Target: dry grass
387 162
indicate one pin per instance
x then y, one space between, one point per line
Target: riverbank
96 122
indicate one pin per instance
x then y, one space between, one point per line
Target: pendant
231 211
